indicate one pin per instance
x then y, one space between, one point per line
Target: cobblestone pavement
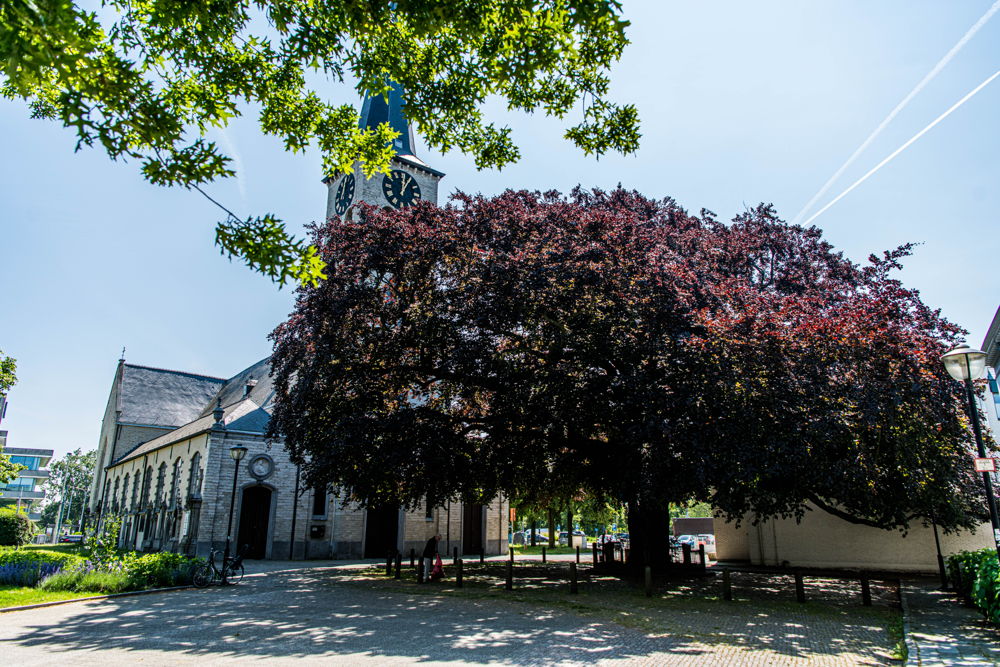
311 616
942 631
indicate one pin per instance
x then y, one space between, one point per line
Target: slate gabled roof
164 398
248 413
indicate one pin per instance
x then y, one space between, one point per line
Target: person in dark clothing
430 552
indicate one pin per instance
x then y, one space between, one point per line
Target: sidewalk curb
912 648
53 603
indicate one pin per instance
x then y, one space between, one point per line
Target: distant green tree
16 529
147 79
8 378
68 484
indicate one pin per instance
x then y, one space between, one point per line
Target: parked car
579 538
690 540
71 539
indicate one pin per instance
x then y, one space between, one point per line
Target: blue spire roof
377 110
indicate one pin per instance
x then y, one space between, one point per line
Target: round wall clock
400 188
345 195
261 466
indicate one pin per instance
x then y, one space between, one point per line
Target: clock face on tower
400 188
345 195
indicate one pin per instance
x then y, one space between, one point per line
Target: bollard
413 556
800 589
866 590
388 564
686 550
458 574
701 556
649 581
578 553
399 564
543 554
509 585
482 556
727 586
572 579
595 554
455 557
420 570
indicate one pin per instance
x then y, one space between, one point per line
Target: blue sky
741 102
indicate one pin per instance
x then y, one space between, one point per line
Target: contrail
904 146
899 107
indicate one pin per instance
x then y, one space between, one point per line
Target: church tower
410 180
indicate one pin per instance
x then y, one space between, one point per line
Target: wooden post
399 564
482 556
413 556
458 574
686 550
543 554
727 586
509 585
701 556
578 553
595 554
420 570
649 581
388 564
572 579
866 590
454 558
800 589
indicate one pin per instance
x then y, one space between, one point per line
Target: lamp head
237 452
964 362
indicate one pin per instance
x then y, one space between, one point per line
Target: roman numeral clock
400 188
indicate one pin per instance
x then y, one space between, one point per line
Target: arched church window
161 482
147 482
319 502
194 476
175 479
114 495
125 493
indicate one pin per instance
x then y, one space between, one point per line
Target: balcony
21 493
35 474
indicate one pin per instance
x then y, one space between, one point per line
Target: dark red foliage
620 345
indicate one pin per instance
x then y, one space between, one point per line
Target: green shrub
976 575
157 570
16 529
23 556
79 581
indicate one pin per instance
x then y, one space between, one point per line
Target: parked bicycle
230 573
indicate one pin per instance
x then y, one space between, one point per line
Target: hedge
25 556
16 529
976 576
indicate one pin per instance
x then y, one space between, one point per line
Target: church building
163 458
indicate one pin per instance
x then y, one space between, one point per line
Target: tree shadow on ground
314 614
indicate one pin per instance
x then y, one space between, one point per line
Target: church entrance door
381 531
472 528
255 516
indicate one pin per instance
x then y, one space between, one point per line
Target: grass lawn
537 551
15 596
77 549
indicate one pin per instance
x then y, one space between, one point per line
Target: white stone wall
824 541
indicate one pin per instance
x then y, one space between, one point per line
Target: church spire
377 110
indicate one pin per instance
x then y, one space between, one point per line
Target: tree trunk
553 538
649 530
569 524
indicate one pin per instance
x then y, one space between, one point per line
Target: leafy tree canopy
618 345
8 378
69 483
146 80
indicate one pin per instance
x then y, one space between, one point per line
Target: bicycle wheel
202 576
236 574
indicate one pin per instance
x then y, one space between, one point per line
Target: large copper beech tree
618 345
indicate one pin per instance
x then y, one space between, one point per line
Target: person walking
430 552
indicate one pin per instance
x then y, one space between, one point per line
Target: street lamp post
237 452
966 364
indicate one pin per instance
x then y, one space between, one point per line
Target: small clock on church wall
261 467
400 188
345 195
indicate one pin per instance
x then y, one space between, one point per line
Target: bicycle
231 572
